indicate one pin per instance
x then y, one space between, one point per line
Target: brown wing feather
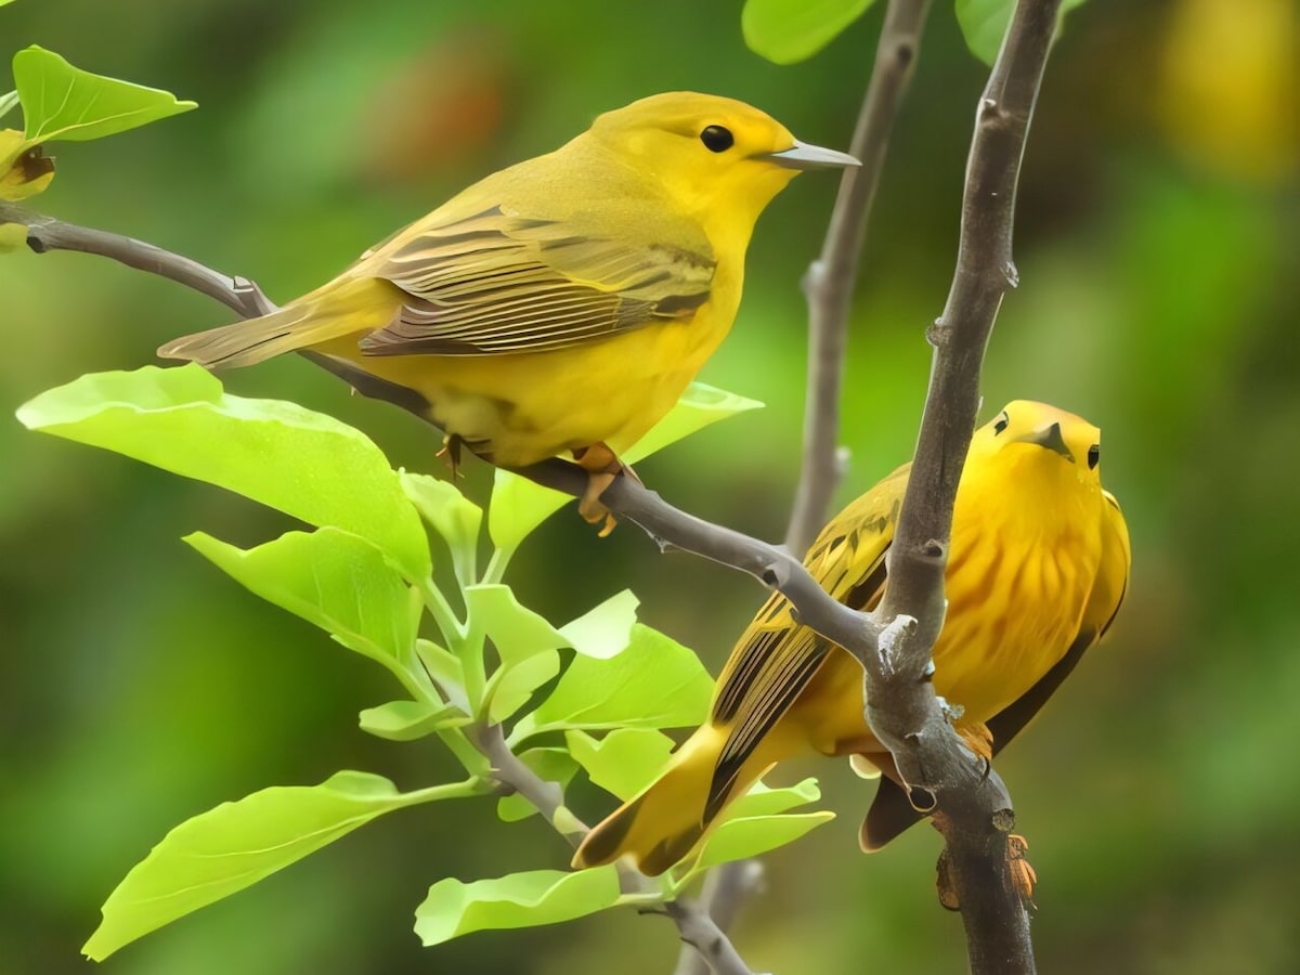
776 658
499 283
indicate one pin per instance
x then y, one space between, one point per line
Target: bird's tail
662 825
341 308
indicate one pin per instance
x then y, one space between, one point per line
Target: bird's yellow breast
1023 565
520 409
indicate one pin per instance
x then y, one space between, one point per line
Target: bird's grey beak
1049 437
804 156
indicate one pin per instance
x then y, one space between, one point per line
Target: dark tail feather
890 815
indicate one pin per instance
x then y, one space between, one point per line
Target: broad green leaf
655 683
306 464
984 22
329 577
625 761
519 900
453 516
739 839
518 505
553 765
409 720
63 102
604 631
762 800
515 630
786 31
445 668
236 844
514 685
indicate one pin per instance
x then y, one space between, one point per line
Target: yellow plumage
562 304
1039 564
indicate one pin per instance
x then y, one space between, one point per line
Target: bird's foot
602 466
978 739
451 447
1023 876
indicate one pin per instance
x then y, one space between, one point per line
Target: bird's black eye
717 139
1001 425
1094 455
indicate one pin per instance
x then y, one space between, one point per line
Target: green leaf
445 668
409 720
63 102
9 101
306 464
518 505
236 844
625 761
518 900
604 631
512 687
761 800
453 516
984 22
786 31
655 683
739 839
515 630
329 577
553 765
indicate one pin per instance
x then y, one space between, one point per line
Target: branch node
922 799
1004 820
1012 274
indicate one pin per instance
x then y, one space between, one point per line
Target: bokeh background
1159 250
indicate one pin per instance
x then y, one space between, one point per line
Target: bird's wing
891 813
500 282
775 658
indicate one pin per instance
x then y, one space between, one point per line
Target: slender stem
830 280
726 890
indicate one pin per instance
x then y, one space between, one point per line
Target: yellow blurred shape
1229 84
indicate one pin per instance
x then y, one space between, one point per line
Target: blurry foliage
1159 250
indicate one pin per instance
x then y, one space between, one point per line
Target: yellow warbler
1039 564
560 305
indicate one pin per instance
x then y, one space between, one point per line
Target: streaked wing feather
498 283
776 658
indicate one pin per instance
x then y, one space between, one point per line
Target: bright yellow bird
558 306
1039 564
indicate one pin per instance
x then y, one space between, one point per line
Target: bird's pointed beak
1049 437
804 156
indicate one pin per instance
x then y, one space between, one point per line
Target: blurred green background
1159 250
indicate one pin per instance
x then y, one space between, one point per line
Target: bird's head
715 157
1026 432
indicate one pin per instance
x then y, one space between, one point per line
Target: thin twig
727 888
830 280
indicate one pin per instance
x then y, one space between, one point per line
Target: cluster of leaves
60 102
470 659
788 31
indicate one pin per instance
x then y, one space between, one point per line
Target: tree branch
830 280
972 809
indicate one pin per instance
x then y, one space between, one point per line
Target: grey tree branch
973 810
830 280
